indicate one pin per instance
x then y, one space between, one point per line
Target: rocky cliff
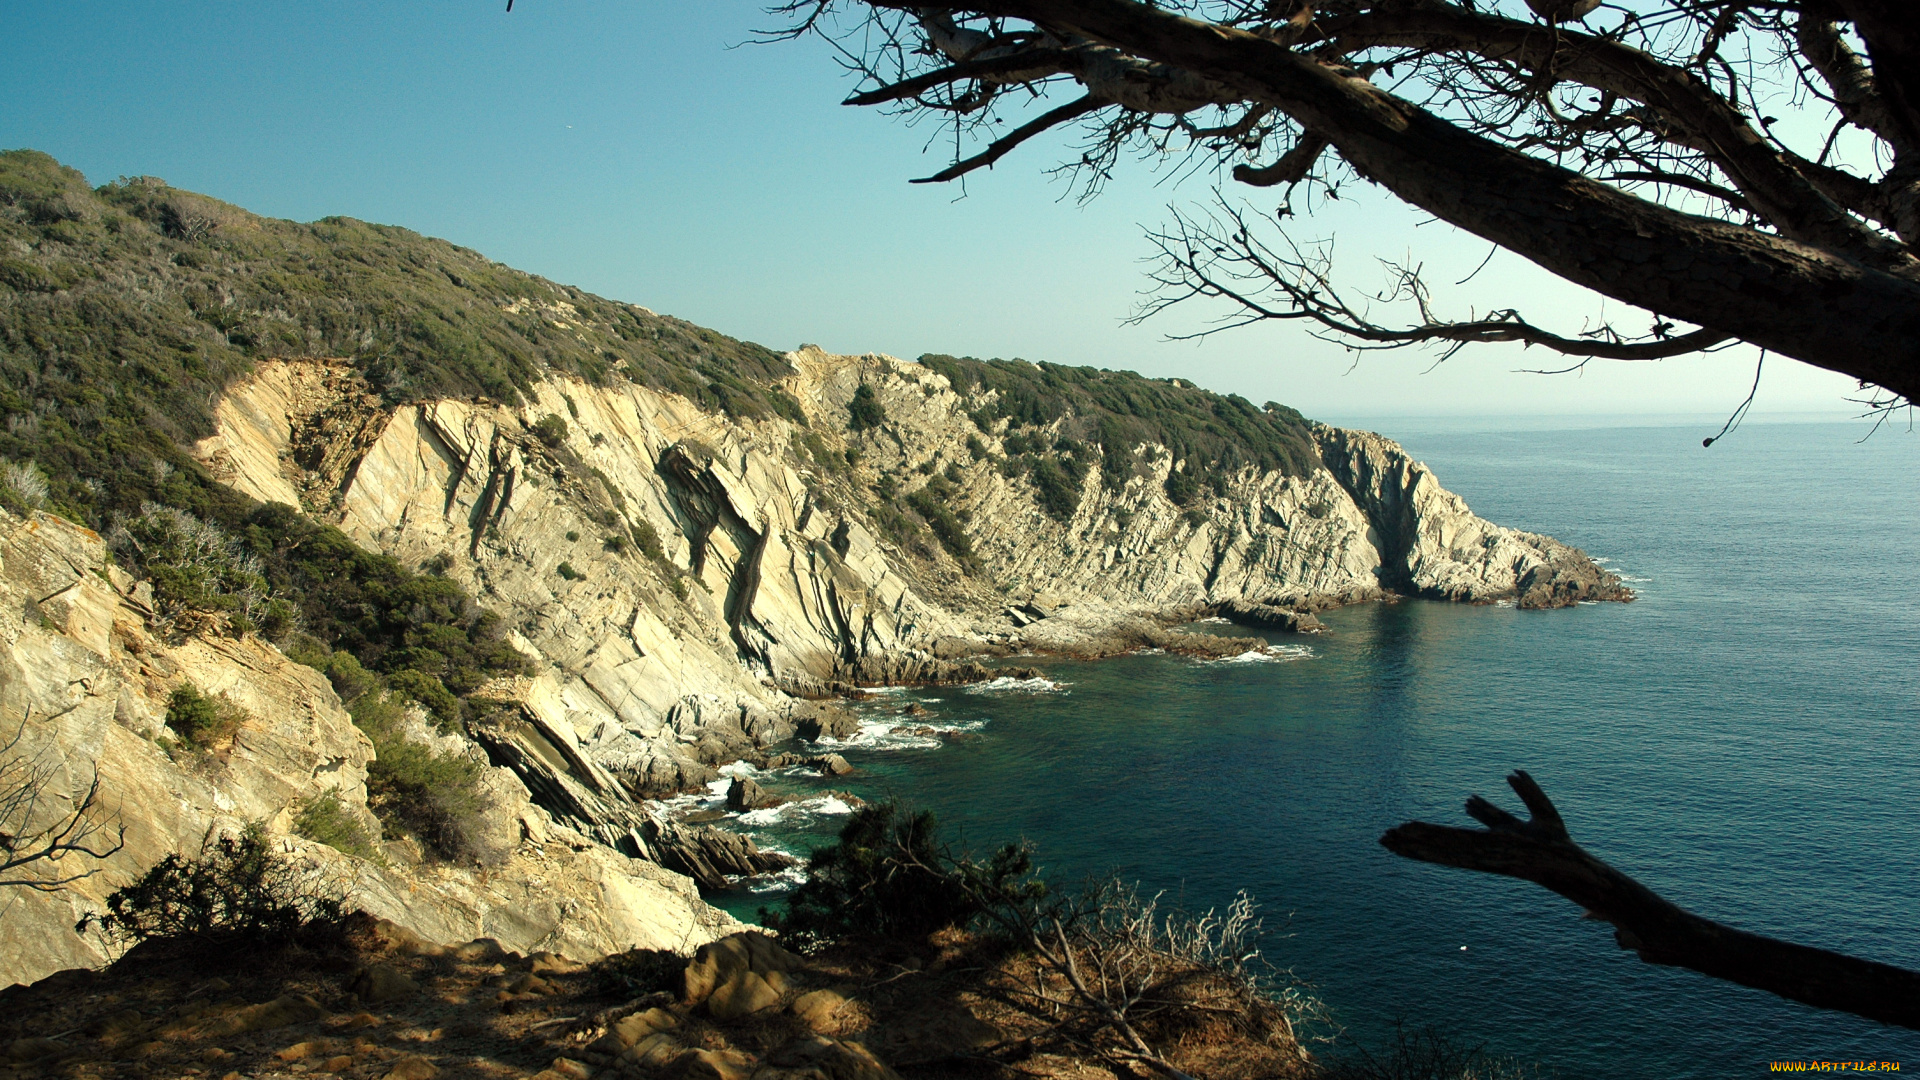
691 587
683 548
691 584
84 682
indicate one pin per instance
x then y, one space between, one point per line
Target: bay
1741 738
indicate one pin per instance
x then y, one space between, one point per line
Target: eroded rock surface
84 677
690 584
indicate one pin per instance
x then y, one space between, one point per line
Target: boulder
743 795
746 992
825 720
709 855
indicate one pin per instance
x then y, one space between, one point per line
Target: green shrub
572 536
324 819
203 721
1182 486
416 789
865 410
946 528
550 429
976 448
431 693
648 540
616 544
1057 487
238 890
412 788
828 459
566 570
785 406
890 876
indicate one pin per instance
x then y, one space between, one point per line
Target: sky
652 153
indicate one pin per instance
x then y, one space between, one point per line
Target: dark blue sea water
1742 739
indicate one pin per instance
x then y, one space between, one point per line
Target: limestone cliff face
1431 545
773 581
85 679
689 585
1371 520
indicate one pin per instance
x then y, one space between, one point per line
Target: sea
1741 739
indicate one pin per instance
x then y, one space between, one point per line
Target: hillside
445 572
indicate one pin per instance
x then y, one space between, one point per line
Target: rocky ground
371 1001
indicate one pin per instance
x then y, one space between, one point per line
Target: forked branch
1539 849
31 844
1221 257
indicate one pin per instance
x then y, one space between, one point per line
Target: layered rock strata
691 588
84 682
691 584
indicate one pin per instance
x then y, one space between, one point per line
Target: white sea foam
1007 684
1216 619
788 812
1272 654
783 880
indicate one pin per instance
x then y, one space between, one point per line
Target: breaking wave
1007 684
1272 654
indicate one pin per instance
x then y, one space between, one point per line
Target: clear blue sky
643 151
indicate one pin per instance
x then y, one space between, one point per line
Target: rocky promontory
442 574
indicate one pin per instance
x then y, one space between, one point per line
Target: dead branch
30 843
1509 129
1222 257
1540 850
1065 114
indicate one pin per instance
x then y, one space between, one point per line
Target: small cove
1741 739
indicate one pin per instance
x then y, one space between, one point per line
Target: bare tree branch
1540 850
1052 118
32 845
1223 258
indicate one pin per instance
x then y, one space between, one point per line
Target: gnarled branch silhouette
1539 849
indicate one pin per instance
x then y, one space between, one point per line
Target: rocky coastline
694 590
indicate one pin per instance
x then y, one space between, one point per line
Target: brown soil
952 1007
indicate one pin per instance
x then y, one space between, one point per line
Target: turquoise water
1741 739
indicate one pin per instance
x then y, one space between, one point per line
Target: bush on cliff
324 820
413 788
238 890
1110 971
1121 409
890 875
203 720
865 410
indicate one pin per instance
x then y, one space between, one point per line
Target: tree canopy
1739 170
